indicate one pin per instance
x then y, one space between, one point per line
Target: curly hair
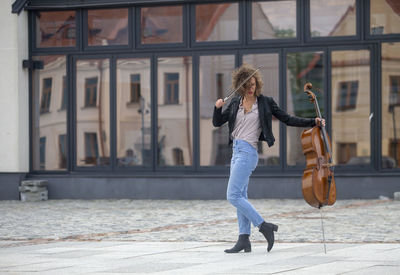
243 72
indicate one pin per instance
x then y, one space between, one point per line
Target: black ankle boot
242 243
268 231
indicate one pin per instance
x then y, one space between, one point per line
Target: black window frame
95 48
154 46
33 29
218 44
194 49
333 39
274 41
375 37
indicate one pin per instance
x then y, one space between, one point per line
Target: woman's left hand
320 121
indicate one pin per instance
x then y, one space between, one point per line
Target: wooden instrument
318 181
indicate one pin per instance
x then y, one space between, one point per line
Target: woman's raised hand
219 103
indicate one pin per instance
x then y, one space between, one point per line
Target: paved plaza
188 237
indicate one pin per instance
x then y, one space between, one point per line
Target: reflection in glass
215 79
49 119
161 25
133 112
332 18
217 22
92 112
351 107
390 105
107 27
268 156
55 29
302 67
384 17
273 19
175 123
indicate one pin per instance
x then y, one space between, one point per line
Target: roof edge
19 5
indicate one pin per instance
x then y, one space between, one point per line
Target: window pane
333 17
268 156
108 27
55 29
92 112
351 107
133 112
384 17
175 146
161 25
49 119
390 105
273 19
215 79
302 67
217 22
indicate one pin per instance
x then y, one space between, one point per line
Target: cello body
318 183
315 184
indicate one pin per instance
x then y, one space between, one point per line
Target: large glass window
332 17
302 67
133 112
351 143
267 19
217 22
55 29
268 156
161 24
384 17
390 105
175 123
92 112
48 120
215 79
108 27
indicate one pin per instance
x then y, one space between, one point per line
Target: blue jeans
244 161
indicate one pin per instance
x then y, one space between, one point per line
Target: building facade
114 99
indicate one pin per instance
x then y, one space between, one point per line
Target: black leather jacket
266 108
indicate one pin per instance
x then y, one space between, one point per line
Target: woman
249 118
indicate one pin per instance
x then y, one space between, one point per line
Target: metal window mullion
196 111
154 111
328 92
360 19
375 74
84 35
69 137
73 137
113 112
282 103
131 28
30 100
81 29
303 11
248 22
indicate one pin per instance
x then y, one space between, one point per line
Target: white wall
14 93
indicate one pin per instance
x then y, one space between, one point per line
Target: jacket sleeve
288 119
219 117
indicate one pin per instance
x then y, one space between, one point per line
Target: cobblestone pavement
348 221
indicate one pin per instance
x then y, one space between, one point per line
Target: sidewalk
188 237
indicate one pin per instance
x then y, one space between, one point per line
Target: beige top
247 126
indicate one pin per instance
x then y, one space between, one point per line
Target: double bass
318 183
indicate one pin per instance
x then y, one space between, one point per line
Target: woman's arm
288 119
219 117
